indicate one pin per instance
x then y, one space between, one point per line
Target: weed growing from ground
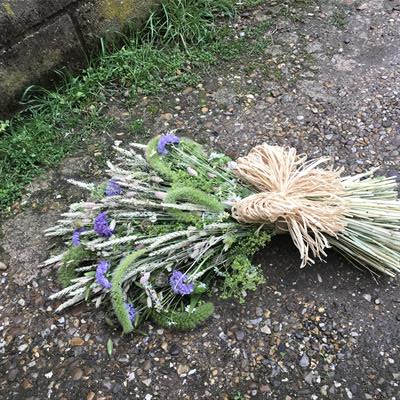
339 18
186 22
137 127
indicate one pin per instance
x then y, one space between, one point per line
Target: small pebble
367 297
304 361
266 329
77 374
76 341
239 335
90 396
174 349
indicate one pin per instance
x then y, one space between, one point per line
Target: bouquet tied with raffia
174 222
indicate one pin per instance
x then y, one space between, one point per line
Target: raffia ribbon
294 194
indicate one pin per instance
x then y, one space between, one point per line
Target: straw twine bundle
314 206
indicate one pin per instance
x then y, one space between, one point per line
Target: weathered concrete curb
39 36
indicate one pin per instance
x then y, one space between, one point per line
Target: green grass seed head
183 320
118 299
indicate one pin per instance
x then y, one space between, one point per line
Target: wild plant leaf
109 346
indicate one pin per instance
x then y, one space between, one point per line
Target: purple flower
131 311
101 270
76 236
113 188
101 226
164 141
178 280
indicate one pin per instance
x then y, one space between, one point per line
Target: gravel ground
328 84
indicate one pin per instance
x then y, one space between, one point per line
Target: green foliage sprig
73 257
243 275
250 244
98 191
65 274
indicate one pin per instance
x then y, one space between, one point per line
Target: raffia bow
294 194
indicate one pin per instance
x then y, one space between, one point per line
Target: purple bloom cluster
113 188
76 241
131 311
178 280
101 226
166 140
101 270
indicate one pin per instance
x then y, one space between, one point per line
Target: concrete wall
39 36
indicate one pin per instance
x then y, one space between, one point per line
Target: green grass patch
175 47
339 18
186 21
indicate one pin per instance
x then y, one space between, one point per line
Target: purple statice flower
76 241
101 226
112 188
178 280
131 311
102 268
164 141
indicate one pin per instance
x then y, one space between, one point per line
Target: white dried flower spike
83 185
232 164
156 179
215 155
160 195
202 285
191 171
145 278
232 199
112 224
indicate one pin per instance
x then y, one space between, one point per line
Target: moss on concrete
8 9
120 10
14 79
123 11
